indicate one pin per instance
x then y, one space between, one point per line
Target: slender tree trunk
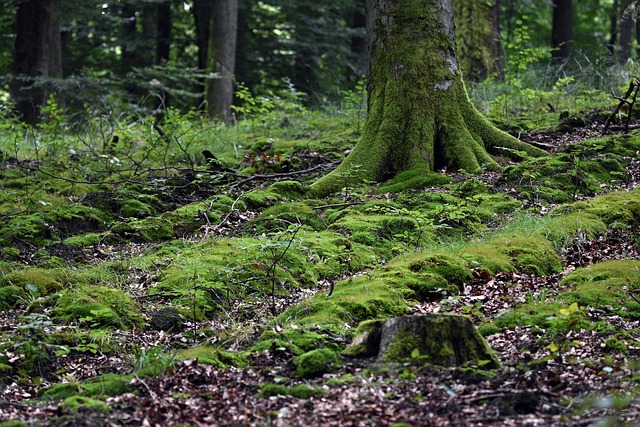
420 116
222 57
37 54
613 33
562 28
627 18
202 18
163 31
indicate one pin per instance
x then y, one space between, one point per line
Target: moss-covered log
420 116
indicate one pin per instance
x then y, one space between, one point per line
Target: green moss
288 189
210 355
144 230
559 178
89 239
413 179
36 281
606 284
9 253
282 215
316 362
615 209
100 306
428 275
104 385
261 198
76 403
301 391
133 208
562 229
530 254
297 340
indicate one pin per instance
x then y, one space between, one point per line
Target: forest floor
583 373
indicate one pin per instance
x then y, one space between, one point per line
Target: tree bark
477 38
420 116
163 31
562 28
627 17
435 339
222 57
36 55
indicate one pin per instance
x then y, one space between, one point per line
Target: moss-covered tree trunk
420 116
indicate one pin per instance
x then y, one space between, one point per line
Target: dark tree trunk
242 71
163 32
562 28
222 58
202 18
420 116
359 21
37 54
613 34
627 17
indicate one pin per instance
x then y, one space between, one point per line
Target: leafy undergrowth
169 289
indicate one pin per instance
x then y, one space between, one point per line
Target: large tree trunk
420 116
562 28
36 55
222 58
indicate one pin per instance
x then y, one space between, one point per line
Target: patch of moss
412 179
297 340
282 215
133 208
288 189
316 362
260 198
76 403
301 391
36 281
428 275
562 229
606 284
615 209
99 306
211 355
528 253
104 385
581 169
88 239
151 229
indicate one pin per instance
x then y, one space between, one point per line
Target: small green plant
355 101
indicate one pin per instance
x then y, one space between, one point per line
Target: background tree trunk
37 54
222 57
163 31
562 28
627 18
477 36
420 116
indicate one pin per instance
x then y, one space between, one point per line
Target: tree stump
436 339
